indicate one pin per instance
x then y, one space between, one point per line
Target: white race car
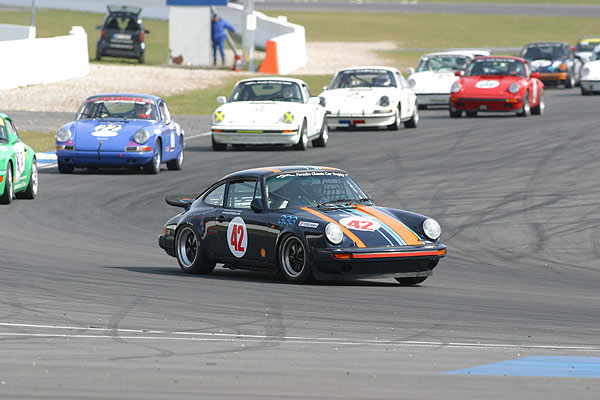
589 77
370 97
269 111
434 75
584 49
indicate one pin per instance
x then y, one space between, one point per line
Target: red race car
497 84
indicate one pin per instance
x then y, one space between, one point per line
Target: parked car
269 111
497 84
434 75
590 74
555 62
121 130
18 165
304 222
122 34
585 47
370 97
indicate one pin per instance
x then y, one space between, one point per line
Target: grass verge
39 141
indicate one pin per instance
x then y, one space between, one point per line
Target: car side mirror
221 100
98 27
12 139
410 70
535 75
458 73
146 31
324 88
314 100
257 205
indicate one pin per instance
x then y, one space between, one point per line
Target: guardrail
44 60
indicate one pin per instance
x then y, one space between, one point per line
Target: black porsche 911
304 221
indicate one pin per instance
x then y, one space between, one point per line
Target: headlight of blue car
334 233
63 134
141 136
432 229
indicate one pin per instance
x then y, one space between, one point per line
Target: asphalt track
91 307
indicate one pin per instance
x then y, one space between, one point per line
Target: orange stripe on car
346 231
406 234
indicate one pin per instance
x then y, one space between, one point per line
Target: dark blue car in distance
121 130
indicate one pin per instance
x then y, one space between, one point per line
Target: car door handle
220 218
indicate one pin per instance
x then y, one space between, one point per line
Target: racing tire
177 163
238 146
65 168
142 58
32 188
396 125
153 167
218 146
422 107
455 113
414 119
526 109
303 140
189 254
7 196
410 281
570 82
585 92
294 260
98 55
539 109
321 141
471 114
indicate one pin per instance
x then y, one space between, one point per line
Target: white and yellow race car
269 111
370 97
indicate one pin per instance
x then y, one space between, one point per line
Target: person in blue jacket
218 36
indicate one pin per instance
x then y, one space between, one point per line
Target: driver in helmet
312 191
143 110
288 92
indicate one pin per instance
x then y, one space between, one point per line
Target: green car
18 166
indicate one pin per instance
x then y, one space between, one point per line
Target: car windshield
595 56
495 66
312 188
587 44
118 107
545 52
267 90
443 63
122 23
358 78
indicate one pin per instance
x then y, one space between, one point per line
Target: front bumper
360 120
256 135
591 85
104 158
410 261
167 243
493 104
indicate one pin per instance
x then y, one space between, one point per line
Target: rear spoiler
124 9
181 200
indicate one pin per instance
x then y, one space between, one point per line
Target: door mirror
314 100
146 31
221 100
535 75
410 71
12 139
257 205
458 73
324 88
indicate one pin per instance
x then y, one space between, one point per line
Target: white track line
233 337
197 136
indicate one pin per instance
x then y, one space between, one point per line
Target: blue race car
121 130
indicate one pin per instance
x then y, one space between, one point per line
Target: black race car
554 61
303 221
122 34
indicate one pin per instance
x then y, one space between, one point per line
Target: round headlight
513 88
63 134
141 136
432 229
585 71
384 101
455 87
557 64
334 233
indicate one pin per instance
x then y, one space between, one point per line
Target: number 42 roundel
237 237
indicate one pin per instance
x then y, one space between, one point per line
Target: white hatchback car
369 97
589 78
434 75
269 111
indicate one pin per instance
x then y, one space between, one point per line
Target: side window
258 191
164 112
241 193
12 130
3 133
215 196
